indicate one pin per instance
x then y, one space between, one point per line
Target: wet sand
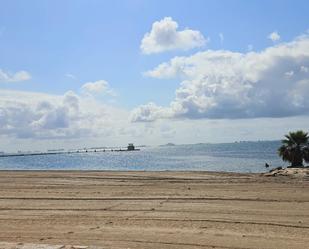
154 210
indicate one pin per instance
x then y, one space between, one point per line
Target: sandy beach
153 210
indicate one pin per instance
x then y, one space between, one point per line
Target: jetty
130 147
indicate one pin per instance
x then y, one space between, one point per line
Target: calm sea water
233 157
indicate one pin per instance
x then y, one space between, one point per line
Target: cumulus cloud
229 85
164 36
148 113
14 77
98 87
37 115
274 36
39 121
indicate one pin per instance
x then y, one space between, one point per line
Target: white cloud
14 77
149 113
224 84
71 76
98 87
274 36
39 121
164 36
289 73
37 115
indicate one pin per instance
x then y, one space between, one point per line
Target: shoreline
153 209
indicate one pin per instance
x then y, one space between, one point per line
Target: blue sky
62 45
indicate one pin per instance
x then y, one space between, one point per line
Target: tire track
149 199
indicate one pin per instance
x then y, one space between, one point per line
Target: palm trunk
298 158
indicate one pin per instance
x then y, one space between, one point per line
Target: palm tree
295 148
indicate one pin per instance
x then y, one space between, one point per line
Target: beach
167 209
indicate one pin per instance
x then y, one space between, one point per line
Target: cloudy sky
90 73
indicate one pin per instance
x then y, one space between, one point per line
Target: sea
243 157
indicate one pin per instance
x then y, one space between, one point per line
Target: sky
105 73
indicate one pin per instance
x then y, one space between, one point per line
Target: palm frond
295 147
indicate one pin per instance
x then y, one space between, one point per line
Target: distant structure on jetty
130 147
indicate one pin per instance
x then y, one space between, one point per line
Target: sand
153 210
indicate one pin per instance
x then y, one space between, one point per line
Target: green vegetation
295 148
